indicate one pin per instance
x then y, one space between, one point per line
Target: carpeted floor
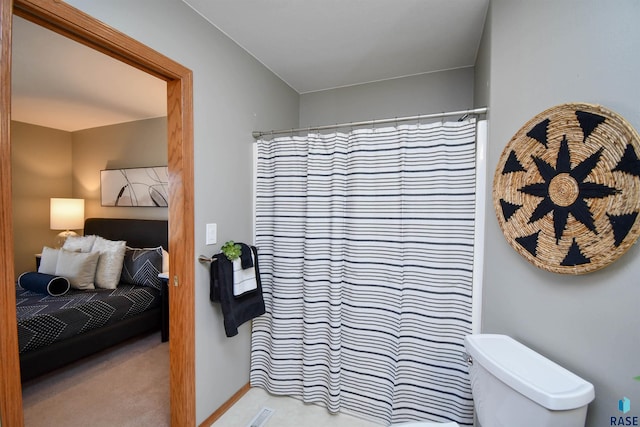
127 385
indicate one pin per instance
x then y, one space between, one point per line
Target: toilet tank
513 385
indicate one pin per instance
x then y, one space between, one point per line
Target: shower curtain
366 244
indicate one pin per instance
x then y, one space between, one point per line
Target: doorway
78 26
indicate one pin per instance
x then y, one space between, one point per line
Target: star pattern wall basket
566 190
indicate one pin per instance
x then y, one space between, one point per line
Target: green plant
231 250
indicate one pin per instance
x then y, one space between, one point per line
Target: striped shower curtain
366 247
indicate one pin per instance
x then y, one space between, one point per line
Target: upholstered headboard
139 233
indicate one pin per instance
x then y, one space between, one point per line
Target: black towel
246 260
235 310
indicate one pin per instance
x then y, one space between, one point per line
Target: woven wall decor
567 189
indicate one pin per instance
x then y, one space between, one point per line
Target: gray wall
546 53
233 95
409 96
126 145
41 168
482 69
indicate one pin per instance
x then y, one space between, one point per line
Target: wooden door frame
73 23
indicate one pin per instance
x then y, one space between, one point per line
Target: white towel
244 280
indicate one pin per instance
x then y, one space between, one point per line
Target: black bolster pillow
44 283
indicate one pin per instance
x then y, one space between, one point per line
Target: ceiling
59 83
312 45
323 44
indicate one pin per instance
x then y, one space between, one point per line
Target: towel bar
203 258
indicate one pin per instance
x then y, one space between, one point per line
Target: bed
50 333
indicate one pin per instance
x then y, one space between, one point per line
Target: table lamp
67 215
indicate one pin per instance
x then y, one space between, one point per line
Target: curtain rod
462 113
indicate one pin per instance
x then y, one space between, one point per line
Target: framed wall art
140 187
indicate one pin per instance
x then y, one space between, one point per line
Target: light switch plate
212 234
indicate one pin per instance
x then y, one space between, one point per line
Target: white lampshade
67 214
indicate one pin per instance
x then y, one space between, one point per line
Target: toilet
513 385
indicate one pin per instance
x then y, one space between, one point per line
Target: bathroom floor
289 412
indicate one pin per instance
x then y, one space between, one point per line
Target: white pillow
79 243
78 267
110 261
48 260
